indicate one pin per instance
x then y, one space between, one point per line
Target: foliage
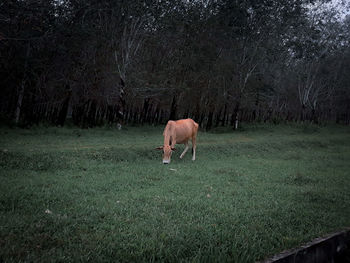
218 62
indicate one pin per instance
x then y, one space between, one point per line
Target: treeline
217 61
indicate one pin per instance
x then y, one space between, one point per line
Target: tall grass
103 195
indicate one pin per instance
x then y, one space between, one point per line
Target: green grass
103 195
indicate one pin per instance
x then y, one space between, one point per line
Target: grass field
103 195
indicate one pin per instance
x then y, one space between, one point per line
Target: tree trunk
63 112
197 113
235 116
210 120
187 112
256 108
303 113
145 110
173 109
22 87
218 118
223 122
122 103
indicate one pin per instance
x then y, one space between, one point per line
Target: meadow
103 195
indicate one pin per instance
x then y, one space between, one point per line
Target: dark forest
220 62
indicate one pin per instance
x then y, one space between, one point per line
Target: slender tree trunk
173 109
197 113
210 120
63 112
22 87
235 116
61 118
256 108
218 118
145 110
187 112
303 113
122 102
223 122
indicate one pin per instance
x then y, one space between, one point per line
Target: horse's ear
159 148
173 149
